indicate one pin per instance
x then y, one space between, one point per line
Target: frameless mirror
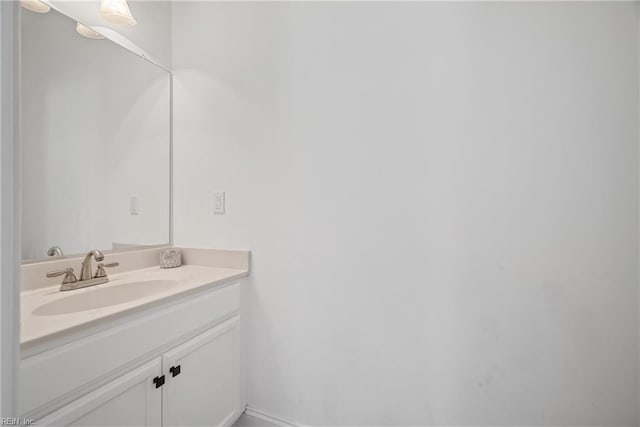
95 142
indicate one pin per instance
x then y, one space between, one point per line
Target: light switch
134 205
218 203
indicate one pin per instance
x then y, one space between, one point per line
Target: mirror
96 142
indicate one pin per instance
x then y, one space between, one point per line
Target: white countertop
37 325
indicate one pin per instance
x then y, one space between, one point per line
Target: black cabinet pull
175 370
159 381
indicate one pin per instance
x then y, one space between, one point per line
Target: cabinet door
206 391
131 400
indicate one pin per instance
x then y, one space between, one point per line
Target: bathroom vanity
150 347
123 342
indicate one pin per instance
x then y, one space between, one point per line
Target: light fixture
87 32
117 12
35 6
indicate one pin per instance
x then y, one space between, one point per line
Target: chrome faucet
55 251
87 278
86 272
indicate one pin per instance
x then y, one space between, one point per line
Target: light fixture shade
117 12
35 6
87 32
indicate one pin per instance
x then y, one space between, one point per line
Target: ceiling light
87 32
35 6
117 12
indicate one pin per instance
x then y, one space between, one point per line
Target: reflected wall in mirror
95 142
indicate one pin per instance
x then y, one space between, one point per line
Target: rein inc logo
15 421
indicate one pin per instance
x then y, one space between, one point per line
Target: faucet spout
86 272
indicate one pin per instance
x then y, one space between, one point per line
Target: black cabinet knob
175 370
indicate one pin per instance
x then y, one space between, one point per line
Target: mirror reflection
95 142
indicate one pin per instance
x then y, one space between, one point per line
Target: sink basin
104 296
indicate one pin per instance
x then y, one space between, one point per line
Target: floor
248 421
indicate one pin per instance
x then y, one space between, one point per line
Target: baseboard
263 416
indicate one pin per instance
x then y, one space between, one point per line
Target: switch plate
218 203
134 205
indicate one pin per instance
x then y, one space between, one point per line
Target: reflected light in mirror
117 12
35 6
87 32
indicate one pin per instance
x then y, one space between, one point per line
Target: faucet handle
100 269
69 277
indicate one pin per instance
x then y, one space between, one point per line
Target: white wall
9 208
441 200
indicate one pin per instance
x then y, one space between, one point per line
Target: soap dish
170 258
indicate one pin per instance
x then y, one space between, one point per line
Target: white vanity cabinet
131 400
178 365
203 379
